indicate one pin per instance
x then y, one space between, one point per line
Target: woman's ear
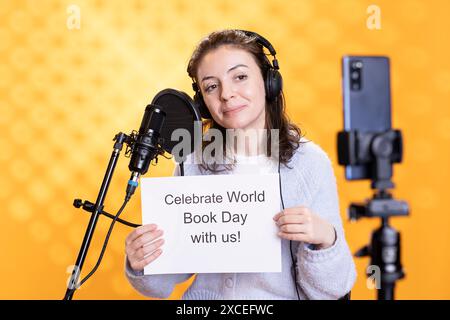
200 103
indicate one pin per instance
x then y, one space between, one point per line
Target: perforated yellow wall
65 92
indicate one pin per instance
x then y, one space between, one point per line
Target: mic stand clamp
89 207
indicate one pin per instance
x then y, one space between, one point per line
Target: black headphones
273 82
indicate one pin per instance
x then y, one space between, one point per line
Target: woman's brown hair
276 117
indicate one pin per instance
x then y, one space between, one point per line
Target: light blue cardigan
321 274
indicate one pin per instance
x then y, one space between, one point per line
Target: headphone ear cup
273 84
201 106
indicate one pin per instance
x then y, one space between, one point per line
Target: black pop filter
181 113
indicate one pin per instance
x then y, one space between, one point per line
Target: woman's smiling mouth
233 110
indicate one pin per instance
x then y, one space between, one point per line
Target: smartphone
367 100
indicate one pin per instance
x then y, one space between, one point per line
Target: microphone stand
119 139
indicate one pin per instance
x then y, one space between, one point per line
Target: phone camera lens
357 64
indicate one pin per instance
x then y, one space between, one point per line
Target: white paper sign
214 223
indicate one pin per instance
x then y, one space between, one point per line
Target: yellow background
65 93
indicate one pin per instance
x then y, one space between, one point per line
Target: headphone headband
265 43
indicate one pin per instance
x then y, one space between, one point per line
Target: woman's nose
227 91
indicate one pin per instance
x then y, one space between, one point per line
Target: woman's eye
242 77
210 88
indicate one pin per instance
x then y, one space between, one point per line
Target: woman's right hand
142 246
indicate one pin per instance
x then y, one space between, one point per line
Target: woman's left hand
301 224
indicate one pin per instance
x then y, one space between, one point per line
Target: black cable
105 243
290 241
89 207
122 221
294 270
182 169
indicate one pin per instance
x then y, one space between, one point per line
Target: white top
259 164
330 273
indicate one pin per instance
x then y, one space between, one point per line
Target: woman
237 87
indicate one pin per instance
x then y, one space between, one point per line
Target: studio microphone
171 110
146 145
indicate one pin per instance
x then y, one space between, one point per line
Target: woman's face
233 88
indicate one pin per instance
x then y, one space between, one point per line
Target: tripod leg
386 292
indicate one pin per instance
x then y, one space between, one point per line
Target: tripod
377 151
385 246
